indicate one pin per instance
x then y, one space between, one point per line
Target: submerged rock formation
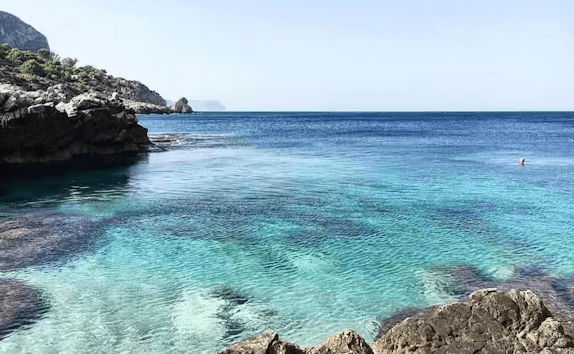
19 34
43 127
19 306
487 322
29 240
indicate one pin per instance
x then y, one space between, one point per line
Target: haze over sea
300 223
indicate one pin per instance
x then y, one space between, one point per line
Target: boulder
344 342
487 322
254 345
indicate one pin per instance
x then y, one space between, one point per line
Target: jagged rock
89 124
283 347
19 305
487 322
181 106
254 345
344 342
19 34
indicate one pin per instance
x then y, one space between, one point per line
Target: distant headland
51 110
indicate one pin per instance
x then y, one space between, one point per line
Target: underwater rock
487 322
33 240
19 306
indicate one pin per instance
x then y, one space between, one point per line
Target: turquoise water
300 223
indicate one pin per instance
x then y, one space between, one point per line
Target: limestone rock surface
19 34
344 342
488 322
41 127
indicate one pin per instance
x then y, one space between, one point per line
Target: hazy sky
325 55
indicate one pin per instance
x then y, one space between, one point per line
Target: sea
301 223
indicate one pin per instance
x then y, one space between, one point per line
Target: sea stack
181 106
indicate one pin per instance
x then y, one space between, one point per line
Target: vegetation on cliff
33 71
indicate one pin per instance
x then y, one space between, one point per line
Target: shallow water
300 223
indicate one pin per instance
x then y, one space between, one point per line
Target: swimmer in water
521 161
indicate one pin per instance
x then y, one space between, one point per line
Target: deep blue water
300 223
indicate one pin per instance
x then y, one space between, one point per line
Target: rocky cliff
19 34
49 126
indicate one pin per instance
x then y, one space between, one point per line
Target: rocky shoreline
47 127
489 321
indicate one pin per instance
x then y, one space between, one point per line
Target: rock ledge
487 322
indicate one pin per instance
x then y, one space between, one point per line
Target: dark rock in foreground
19 306
44 127
19 34
487 322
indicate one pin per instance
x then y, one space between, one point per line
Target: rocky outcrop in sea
49 126
181 106
19 34
488 321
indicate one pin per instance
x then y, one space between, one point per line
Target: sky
325 55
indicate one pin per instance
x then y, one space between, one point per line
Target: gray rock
344 342
146 108
143 93
89 124
19 34
254 345
487 322
181 106
283 347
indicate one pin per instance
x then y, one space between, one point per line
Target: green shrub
4 49
16 54
45 54
53 68
32 67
